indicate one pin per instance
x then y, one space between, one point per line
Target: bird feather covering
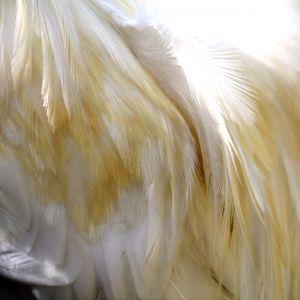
146 154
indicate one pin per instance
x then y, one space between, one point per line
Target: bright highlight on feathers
149 150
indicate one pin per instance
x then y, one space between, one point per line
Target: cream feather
140 159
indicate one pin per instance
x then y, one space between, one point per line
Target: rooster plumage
144 160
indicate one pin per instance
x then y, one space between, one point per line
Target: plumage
146 153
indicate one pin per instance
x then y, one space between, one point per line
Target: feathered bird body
137 162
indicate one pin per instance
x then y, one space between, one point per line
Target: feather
140 159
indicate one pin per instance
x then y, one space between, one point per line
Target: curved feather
142 160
